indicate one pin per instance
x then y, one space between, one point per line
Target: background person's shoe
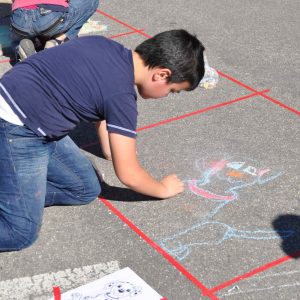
51 44
25 49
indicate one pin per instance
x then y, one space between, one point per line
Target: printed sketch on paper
113 290
120 285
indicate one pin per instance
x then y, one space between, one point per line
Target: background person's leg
72 179
21 22
27 25
23 172
22 32
78 14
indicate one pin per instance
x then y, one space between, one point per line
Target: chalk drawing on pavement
221 181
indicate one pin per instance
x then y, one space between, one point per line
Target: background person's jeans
35 173
34 23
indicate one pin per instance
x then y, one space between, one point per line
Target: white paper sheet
123 284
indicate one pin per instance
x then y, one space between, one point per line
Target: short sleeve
120 113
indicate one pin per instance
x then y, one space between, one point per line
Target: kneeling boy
87 79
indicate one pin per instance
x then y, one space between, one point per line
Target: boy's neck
140 70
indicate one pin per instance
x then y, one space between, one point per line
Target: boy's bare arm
131 174
103 139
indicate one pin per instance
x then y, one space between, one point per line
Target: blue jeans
34 173
34 23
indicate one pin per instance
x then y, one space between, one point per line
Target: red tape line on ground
297 112
6 60
256 271
202 110
259 269
264 96
237 82
220 73
124 34
178 266
187 115
56 293
123 23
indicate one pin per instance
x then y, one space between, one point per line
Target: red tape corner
56 293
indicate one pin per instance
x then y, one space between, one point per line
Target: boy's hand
173 185
131 174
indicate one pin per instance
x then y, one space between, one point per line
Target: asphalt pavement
235 231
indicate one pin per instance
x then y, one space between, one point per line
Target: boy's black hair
178 51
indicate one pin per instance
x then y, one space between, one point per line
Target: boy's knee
24 244
21 238
95 4
92 193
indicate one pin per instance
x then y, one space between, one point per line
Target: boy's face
161 90
157 85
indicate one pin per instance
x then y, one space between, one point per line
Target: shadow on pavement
122 194
291 245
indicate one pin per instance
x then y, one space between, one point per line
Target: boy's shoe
210 78
25 49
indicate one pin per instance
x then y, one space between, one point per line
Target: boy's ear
161 74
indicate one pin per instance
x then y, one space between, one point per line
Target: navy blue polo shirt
87 79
